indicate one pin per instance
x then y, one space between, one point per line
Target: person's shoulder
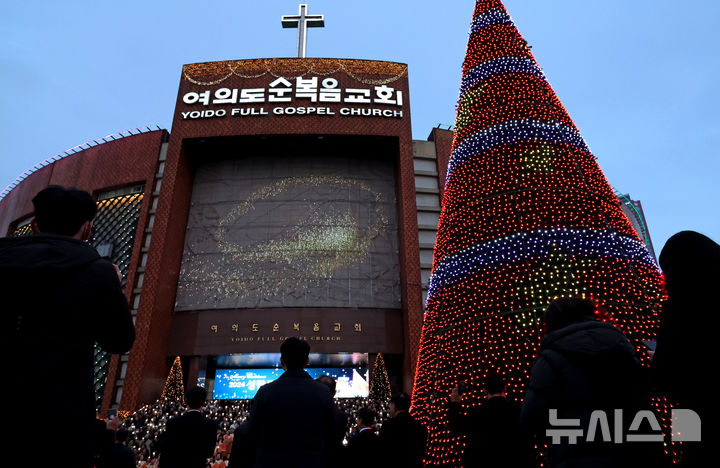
340 414
497 402
404 417
123 450
417 424
589 338
188 416
390 424
176 419
46 252
413 425
172 424
100 269
363 437
498 406
209 422
369 434
320 388
10 244
269 388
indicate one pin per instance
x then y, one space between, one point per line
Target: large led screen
301 231
267 360
242 384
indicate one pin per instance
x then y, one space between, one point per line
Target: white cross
302 21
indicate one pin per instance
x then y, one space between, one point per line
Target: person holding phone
60 299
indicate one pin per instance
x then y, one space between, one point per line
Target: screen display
302 231
258 360
243 384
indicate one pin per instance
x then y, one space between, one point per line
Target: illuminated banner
346 89
282 91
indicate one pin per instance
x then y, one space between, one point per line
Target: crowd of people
146 424
296 421
583 365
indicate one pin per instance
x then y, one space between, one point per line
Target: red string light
527 216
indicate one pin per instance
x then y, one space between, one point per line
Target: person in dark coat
121 456
495 438
104 440
291 418
189 439
336 450
691 264
242 454
584 365
59 299
363 447
402 438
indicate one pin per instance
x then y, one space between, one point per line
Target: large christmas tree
527 216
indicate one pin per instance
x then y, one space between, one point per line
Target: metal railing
73 150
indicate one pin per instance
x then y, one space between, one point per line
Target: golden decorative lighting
370 72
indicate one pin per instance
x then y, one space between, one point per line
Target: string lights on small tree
379 383
527 216
173 392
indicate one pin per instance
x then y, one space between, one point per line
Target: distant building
633 210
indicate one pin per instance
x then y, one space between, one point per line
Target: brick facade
115 164
443 146
135 160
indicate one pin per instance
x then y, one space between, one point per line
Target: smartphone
111 414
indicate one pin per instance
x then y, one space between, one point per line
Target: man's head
566 311
399 403
64 211
121 435
365 417
329 381
294 353
195 397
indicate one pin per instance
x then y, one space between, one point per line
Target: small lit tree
379 383
174 391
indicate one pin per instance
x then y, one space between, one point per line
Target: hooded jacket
584 367
59 298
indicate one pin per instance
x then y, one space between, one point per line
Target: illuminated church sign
311 96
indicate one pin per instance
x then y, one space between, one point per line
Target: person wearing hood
584 365
682 365
60 298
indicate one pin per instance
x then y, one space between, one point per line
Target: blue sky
639 77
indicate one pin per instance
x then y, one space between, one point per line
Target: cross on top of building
302 21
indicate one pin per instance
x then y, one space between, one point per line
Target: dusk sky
639 77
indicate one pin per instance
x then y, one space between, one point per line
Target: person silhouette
691 265
584 365
291 418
